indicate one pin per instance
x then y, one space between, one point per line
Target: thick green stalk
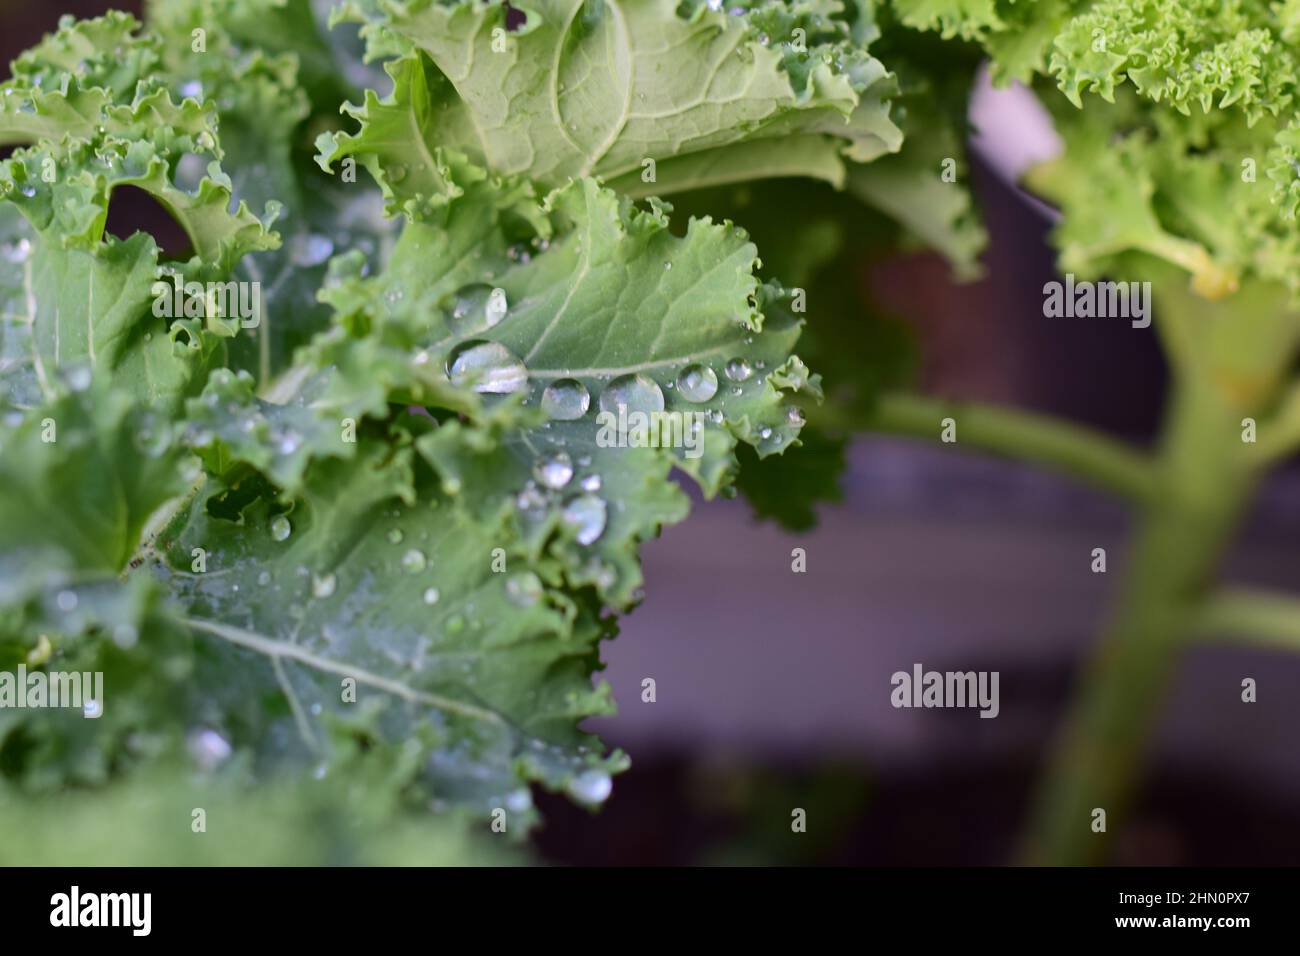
1081 452
1253 616
1228 360
1205 484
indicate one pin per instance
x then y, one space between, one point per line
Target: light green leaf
602 88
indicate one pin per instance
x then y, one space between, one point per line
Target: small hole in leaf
133 210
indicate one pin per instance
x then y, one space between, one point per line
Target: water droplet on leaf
555 471
487 367
738 370
476 308
697 383
566 400
586 514
591 786
638 393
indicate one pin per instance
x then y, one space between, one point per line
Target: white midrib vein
30 297
283 650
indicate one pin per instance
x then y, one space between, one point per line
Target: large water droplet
524 589
487 367
476 308
566 399
591 786
280 527
554 471
697 383
323 585
738 370
638 393
414 561
586 515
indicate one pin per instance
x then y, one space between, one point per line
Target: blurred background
773 687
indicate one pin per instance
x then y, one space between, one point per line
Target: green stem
1205 481
1259 616
1079 451
1279 434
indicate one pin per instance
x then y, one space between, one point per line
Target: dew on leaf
586 514
591 483
323 585
697 383
414 561
591 786
395 536
486 367
280 528
738 370
566 399
476 308
636 392
431 596
554 471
